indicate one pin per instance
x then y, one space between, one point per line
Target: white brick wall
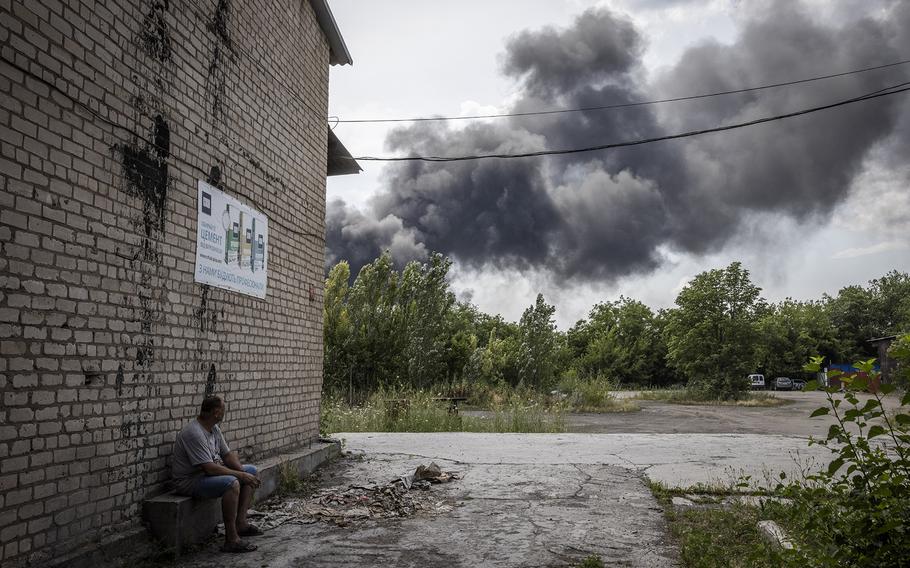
106 341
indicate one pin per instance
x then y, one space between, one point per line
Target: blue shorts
211 486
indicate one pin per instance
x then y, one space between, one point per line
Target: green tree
538 344
376 344
790 333
860 314
424 303
337 328
622 341
852 312
712 334
891 300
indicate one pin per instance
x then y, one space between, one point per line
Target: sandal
250 530
239 546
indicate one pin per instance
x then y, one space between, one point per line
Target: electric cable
258 63
625 105
337 120
900 88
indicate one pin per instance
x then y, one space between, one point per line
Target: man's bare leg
229 505
246 498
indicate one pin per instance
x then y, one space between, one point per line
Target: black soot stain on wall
210 381
220 26
155 36
146 172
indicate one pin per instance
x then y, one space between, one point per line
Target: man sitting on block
204 466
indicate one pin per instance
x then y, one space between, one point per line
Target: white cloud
877 248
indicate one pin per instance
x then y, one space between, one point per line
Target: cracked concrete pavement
545 499
676 460
502 515
522 500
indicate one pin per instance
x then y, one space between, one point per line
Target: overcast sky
809 205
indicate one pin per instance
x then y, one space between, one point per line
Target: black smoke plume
602 215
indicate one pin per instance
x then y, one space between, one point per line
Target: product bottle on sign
260 252
235 241
253 245
240 232
228 233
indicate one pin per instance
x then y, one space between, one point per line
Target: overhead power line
893 90
337 120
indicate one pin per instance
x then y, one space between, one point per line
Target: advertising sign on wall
231 243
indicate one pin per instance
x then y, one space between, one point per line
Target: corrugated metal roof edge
338 51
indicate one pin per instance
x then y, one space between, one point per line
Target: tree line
406 329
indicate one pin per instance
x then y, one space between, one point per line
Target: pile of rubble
401 497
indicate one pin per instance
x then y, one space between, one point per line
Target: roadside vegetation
421 411
403 331
854 512
689 397
711 534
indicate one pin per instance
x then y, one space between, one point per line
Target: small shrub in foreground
856 512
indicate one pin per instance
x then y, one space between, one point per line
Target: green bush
856 512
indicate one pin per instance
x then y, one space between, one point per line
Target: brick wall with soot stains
110 112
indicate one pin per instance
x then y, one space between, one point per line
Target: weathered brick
9 314
129 373
13 464
21 414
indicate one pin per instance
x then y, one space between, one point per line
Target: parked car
799 384
783 383
757 382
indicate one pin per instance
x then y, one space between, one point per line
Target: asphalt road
791 419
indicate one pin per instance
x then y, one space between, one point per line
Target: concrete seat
178 521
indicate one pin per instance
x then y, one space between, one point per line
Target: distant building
888 364
162 220
848 370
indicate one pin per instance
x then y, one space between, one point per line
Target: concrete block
178 521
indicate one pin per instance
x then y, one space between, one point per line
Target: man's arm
212 468
232 460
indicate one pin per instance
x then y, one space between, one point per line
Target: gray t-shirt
195 446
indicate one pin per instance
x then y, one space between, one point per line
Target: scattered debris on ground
404 496
696 500
774 534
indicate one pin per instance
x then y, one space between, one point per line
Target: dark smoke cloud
607 214
598 48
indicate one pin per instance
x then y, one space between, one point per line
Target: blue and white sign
231 243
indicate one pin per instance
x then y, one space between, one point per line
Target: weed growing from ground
711 534
592 561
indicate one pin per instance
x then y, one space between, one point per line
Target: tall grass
418 411
592 394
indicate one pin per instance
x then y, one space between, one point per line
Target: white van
757 382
